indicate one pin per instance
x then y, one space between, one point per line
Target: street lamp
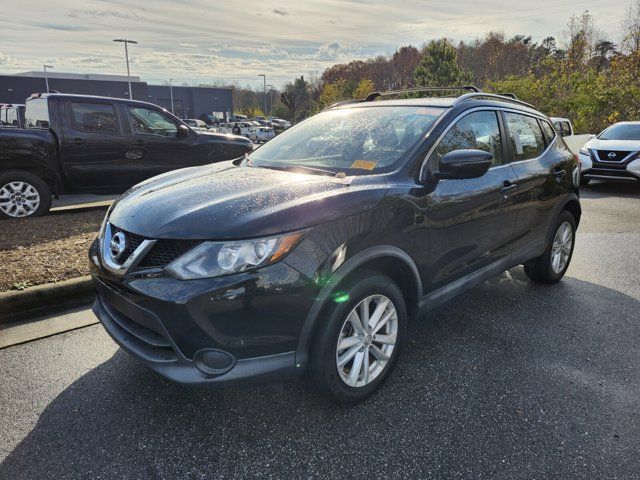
271 89
171 93
264 78
126 55
46 79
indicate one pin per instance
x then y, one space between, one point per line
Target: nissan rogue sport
314 252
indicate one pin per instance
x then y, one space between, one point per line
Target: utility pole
46 79
126 55
171 93
264 78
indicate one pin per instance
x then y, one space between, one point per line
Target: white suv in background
613 155
261 134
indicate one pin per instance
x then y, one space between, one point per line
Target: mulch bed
46 249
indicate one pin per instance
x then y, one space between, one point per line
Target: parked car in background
613 155
225 127
12 115
261 134
279 121
198 125
242 128
210 119
566 131
81 143
317 251
238 118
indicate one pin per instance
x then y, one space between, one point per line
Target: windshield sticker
364 164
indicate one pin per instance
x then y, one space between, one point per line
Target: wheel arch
387 259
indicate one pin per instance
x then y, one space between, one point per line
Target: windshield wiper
293 168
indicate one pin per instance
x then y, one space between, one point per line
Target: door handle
133 155
507 188
559 174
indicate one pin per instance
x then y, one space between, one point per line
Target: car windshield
621 132
353 140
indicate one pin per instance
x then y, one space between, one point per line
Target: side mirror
183 131
461 164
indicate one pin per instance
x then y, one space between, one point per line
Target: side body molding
348 267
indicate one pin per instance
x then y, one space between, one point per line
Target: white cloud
241 39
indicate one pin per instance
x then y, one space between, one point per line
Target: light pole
171 93
264 78
271 89
126 55
46 79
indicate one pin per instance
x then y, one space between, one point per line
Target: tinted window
37 113
525 136
548 130
93 117
152 122
621 132
351 140
477 131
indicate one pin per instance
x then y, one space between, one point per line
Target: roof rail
503 97
373 95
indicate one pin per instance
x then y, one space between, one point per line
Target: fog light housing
213 362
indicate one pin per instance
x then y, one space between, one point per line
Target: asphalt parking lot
513 380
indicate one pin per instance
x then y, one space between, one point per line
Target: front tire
551 266
23 194
359 338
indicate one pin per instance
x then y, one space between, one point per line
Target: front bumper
611 171
235 329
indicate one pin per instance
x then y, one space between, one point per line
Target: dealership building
188 102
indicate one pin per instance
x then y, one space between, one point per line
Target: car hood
598 144
224 137
224 201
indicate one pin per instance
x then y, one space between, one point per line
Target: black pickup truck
86 144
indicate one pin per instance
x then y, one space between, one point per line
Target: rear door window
94 117
525 136
477 131
37 113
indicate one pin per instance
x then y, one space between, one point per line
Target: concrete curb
47 298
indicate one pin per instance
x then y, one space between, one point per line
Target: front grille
166 251
133 242
163 252
603 155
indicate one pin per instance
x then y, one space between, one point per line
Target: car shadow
597 189
511 380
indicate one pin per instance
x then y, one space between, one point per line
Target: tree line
585 76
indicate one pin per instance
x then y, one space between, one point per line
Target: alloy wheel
367 340
19 199
561 249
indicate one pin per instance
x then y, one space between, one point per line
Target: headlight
584 151
213 259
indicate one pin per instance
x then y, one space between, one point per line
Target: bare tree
631 26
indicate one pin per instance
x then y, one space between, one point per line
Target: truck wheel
359 339
551 266
23 194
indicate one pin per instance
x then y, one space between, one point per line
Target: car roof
92 97
628 122
468 100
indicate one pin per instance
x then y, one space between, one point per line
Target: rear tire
23 194
551 266
351 358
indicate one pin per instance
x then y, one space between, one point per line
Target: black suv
315 251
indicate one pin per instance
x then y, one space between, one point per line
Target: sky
233 41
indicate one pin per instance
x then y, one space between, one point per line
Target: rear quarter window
37 113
